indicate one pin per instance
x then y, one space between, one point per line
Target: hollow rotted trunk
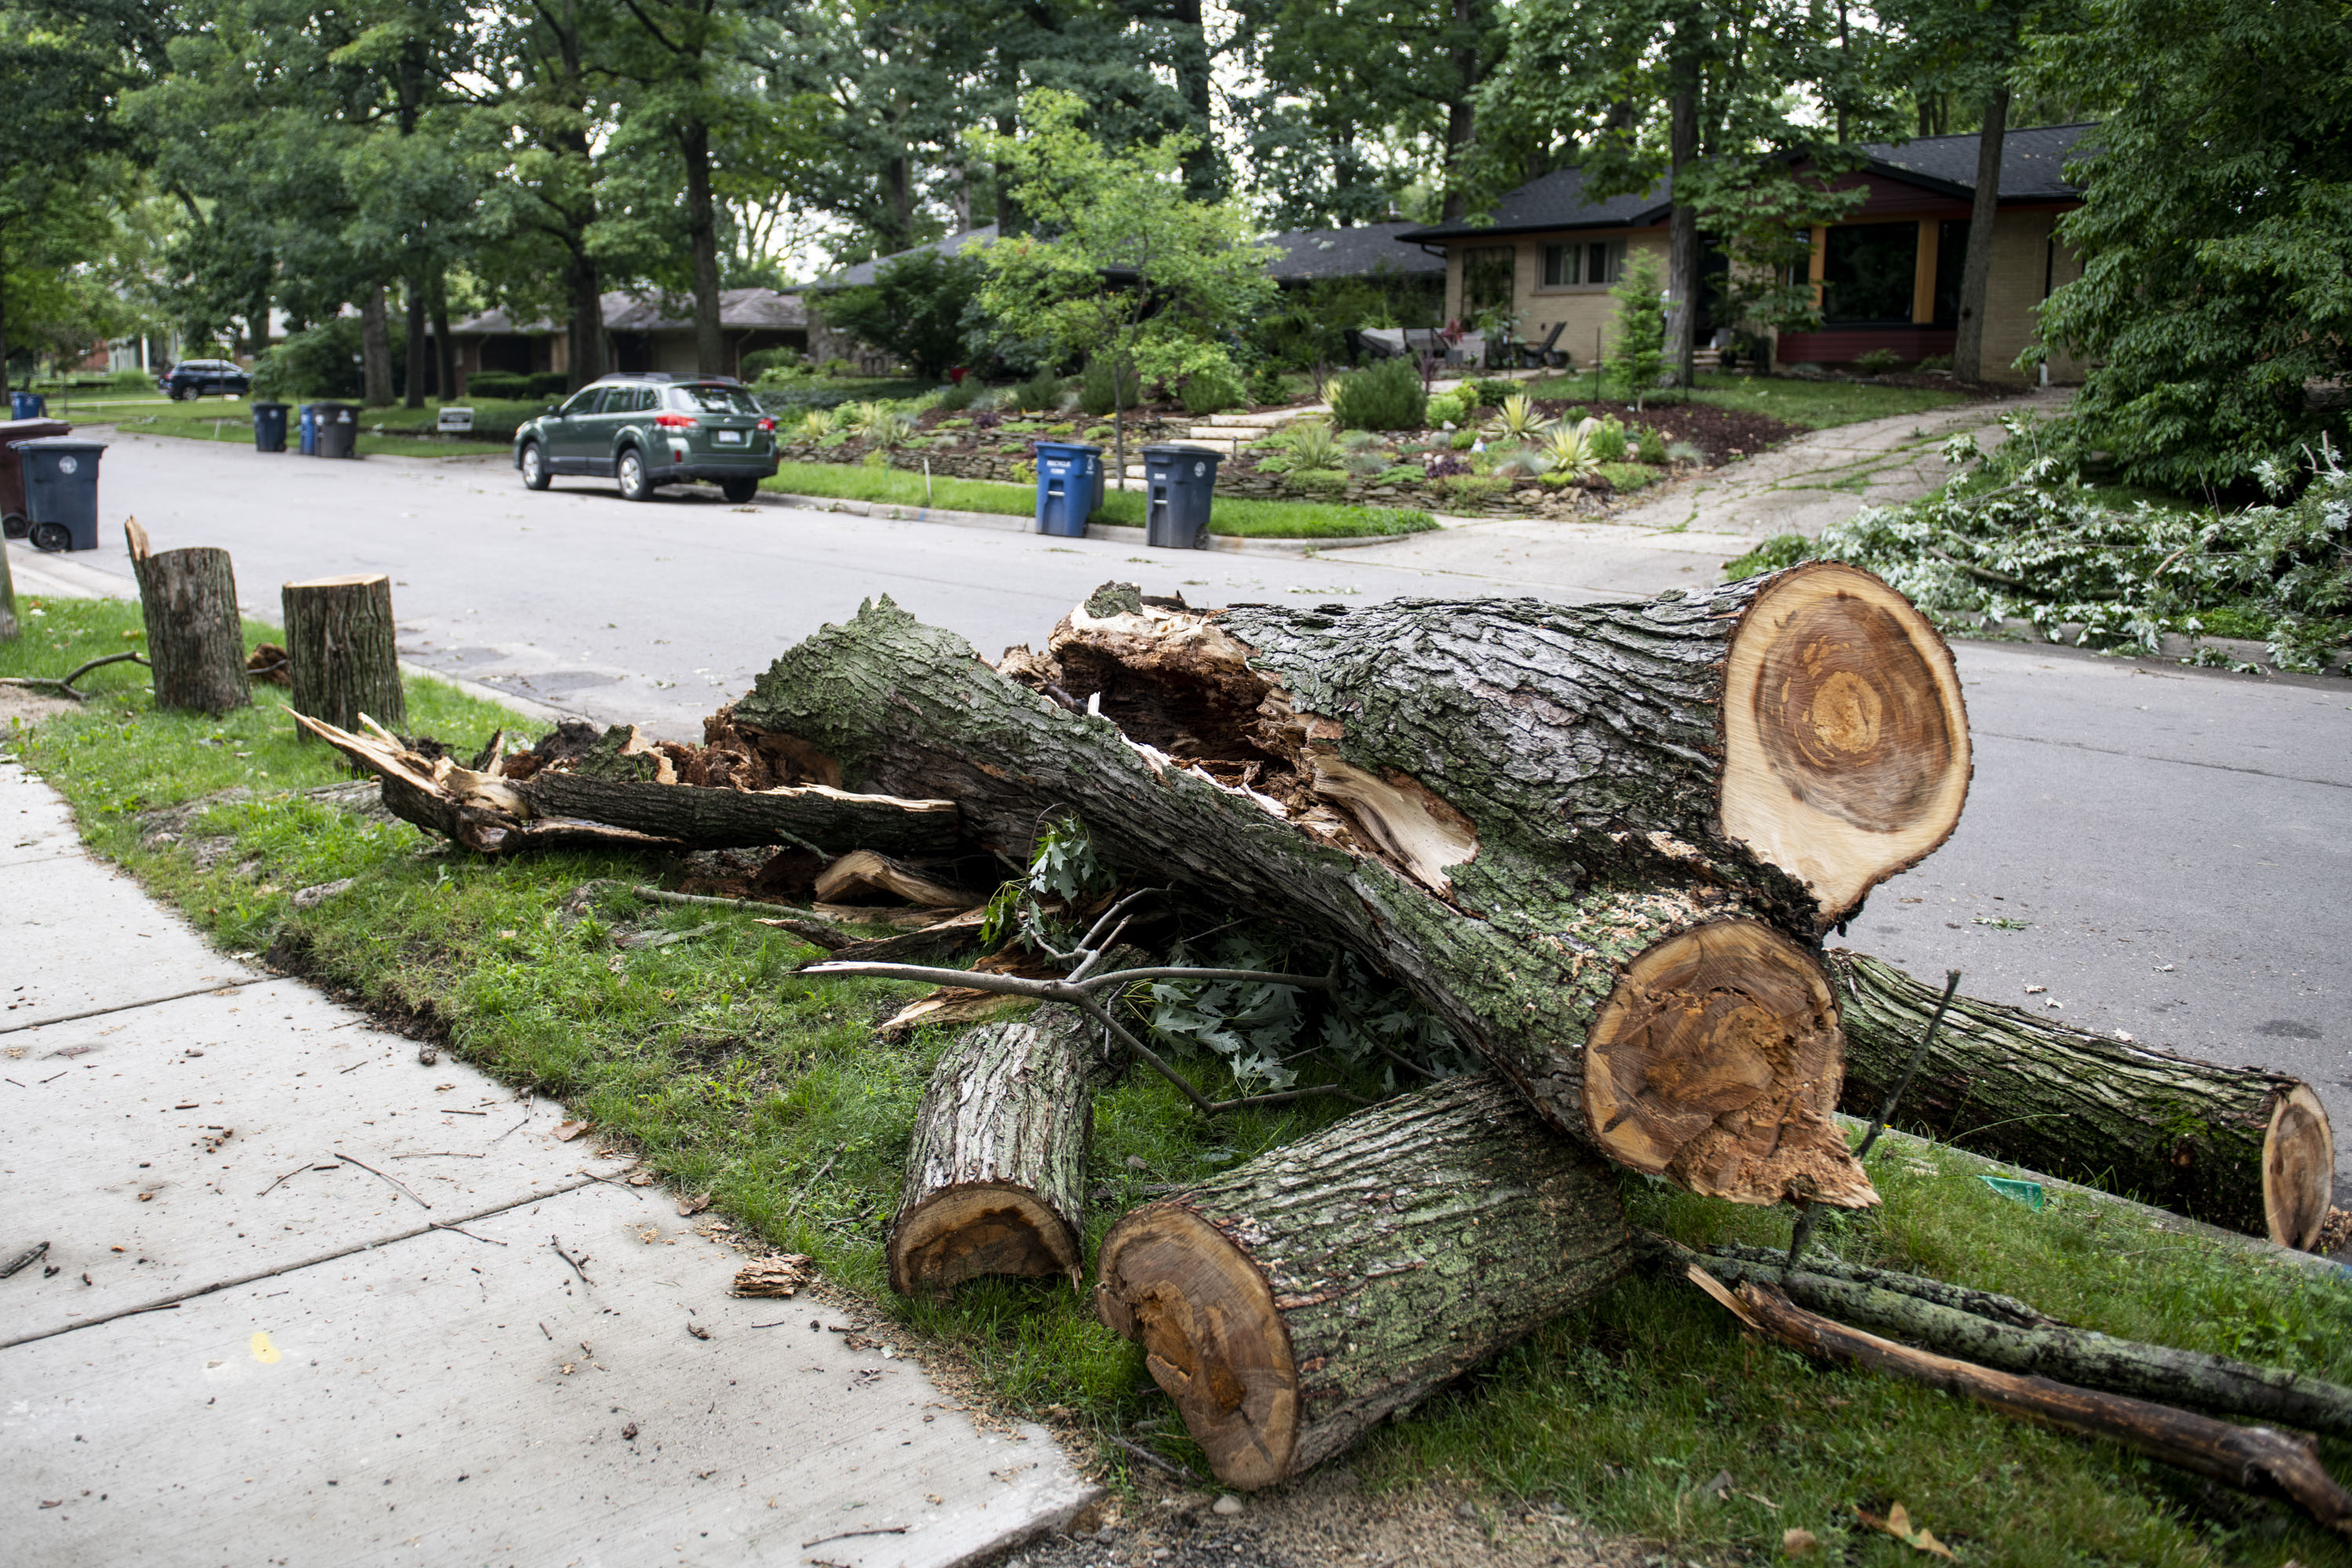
1290 1304
2238 1147
2252 1459
1640 1001
1937 1316
342 651
195 640
996 1173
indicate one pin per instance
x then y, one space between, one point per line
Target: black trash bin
269 426
339 430
62 491
15 520
1178 483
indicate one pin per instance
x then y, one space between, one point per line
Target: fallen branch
64 683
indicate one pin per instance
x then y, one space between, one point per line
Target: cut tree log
1667 1025
1290 1303
342 651
996 1173
2240 1147
494 813
1920 1312
2251 1458
195 640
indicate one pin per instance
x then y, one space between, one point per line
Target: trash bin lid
1069 449
259 403
13 430
60 444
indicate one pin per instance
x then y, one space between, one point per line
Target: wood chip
780 1276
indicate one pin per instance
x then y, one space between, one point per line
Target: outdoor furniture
1544 354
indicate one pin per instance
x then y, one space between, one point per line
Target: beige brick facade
1587 313
2028 263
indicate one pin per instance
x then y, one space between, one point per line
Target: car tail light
675 421
767 424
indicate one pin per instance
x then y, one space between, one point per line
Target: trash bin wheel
534 467
630 469
14 526
52 536
739 491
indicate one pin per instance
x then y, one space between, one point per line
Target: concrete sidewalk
306 1299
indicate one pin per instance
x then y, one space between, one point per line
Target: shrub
1607 439
1319 481
914 308
835 366
755 365
1877 361
1685 452
1265 386
1463 440
817 424
956 398
1639 351
1651 449
1389 397
1448 409
505 383
548 383
1781 549
1098 393
1934 363
1040 392
1210 392
1471 487
1489 393
317 362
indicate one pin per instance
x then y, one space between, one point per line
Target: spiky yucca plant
1517 418
1568 449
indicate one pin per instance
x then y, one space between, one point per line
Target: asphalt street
2168 849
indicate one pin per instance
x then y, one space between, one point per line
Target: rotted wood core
1718 1061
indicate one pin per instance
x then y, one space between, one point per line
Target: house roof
739 310
2031 169
863 273
1306 254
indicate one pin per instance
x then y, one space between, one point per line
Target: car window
642 398
583 401
718 399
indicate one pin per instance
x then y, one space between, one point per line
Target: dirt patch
22 703
1724 435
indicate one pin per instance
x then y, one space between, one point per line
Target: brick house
1887 275
639 334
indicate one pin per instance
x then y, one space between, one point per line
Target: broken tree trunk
493 814
195 640
2252 1459
2238 1147
996 1173
1897 1305
342 651
1668 1026
1290 1303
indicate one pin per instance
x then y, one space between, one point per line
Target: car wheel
178 394
14 526
739 491
534 467
52 536
631 470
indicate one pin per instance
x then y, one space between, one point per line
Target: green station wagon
645 429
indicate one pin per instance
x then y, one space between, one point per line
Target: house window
1596 263
1869 273
1487 283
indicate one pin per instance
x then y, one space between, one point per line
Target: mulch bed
1724 435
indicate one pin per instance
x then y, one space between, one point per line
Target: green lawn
1239 516
1816 404
218 419
736 1076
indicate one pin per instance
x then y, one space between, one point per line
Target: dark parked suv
643 429
195 377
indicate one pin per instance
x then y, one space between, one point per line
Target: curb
1112 533
2175 645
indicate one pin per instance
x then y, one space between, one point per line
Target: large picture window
1487 283
1593 262
1869 273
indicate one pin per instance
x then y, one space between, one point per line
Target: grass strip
216 419
1816 404
771 1092
1239 517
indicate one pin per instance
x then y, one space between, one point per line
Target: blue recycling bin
1069 486
308 441
269 426
62 491
1178 485
25 406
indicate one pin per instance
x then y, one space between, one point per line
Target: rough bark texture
9 626
1517 946
375 349
1976 264
2252 1458
1891 1304
2238 1147
342 651
195 640
996 1172
1290 1304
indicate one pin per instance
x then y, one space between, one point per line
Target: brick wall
2025 267
1585 312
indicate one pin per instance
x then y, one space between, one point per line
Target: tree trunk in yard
415 370
2237 1147
1976 270
996 1174
1461 117
702 233
341 650
9 625
444 348
375 349
1682 223
1291 1303
195 639
587 334
1511 807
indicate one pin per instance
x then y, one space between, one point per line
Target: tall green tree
59 101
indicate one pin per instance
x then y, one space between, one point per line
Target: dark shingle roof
862 272
1307 254
1557 201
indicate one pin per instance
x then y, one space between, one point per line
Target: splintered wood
784 1276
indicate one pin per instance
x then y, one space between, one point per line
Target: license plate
730 437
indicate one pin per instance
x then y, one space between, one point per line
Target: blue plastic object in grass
2027 1193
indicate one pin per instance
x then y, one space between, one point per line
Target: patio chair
1544 354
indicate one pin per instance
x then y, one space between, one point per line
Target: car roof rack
668 376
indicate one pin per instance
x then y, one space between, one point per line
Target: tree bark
10 628
195 639
703 236
1291 1303
1634 993
415 370
1976 270
2252 1459
444 349
996 1173
341 649
375 349
1890 1304
586 332
1682 222
1461 113
2237 1147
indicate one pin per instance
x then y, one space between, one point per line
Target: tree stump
996 1173
9 627
2238 1147
196 638
341 649
1290 1303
